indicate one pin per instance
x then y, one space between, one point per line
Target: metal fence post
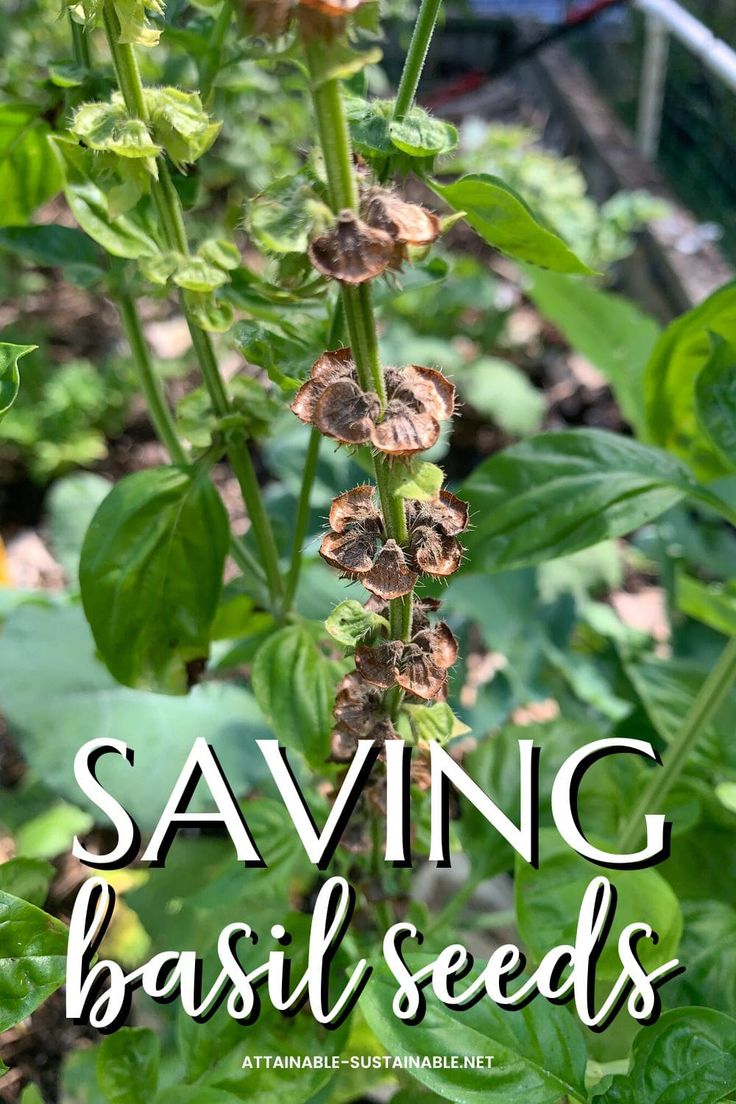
652 86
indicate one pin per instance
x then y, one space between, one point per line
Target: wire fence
697 144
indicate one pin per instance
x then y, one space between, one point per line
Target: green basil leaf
560 492
28 879
33 954
81 700
688 1057
30 1095
56 247
151 575
505 221
548 902
294 684
609 330
715 399
679 357
712 603
416 479
70 507
350 622
123 236
10 374
502 392
51 831
708 949
127 1065
282 217
667 690
421 135
538 1052
29 176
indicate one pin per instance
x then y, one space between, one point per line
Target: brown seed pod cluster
417 401
357 544
357 249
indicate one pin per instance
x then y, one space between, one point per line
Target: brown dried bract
417 399
433 526
351 251
346 413
389 577
408 224
419 667
359 715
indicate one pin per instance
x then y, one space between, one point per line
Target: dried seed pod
419 667
346 413
403 431
331 366
425 388
406 223
343 746
434 553
418 675
379 665
356 507
389 577
332 400
357 704
433 548
352 552
440 643
351 251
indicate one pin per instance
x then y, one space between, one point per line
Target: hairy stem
169 209
710 699
359 315
161 417
416 57
216 43
301 523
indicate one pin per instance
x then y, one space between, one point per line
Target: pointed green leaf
559 492
33 957
505 221
9 373
151 575
715 399
127 1065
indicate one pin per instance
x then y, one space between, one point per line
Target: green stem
416 57
216 43
301 523
334 138
80 44
168 206
710 699
161 417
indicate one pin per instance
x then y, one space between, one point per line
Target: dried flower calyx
357 545
419 667
417 400
359 715
352 251
408 224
